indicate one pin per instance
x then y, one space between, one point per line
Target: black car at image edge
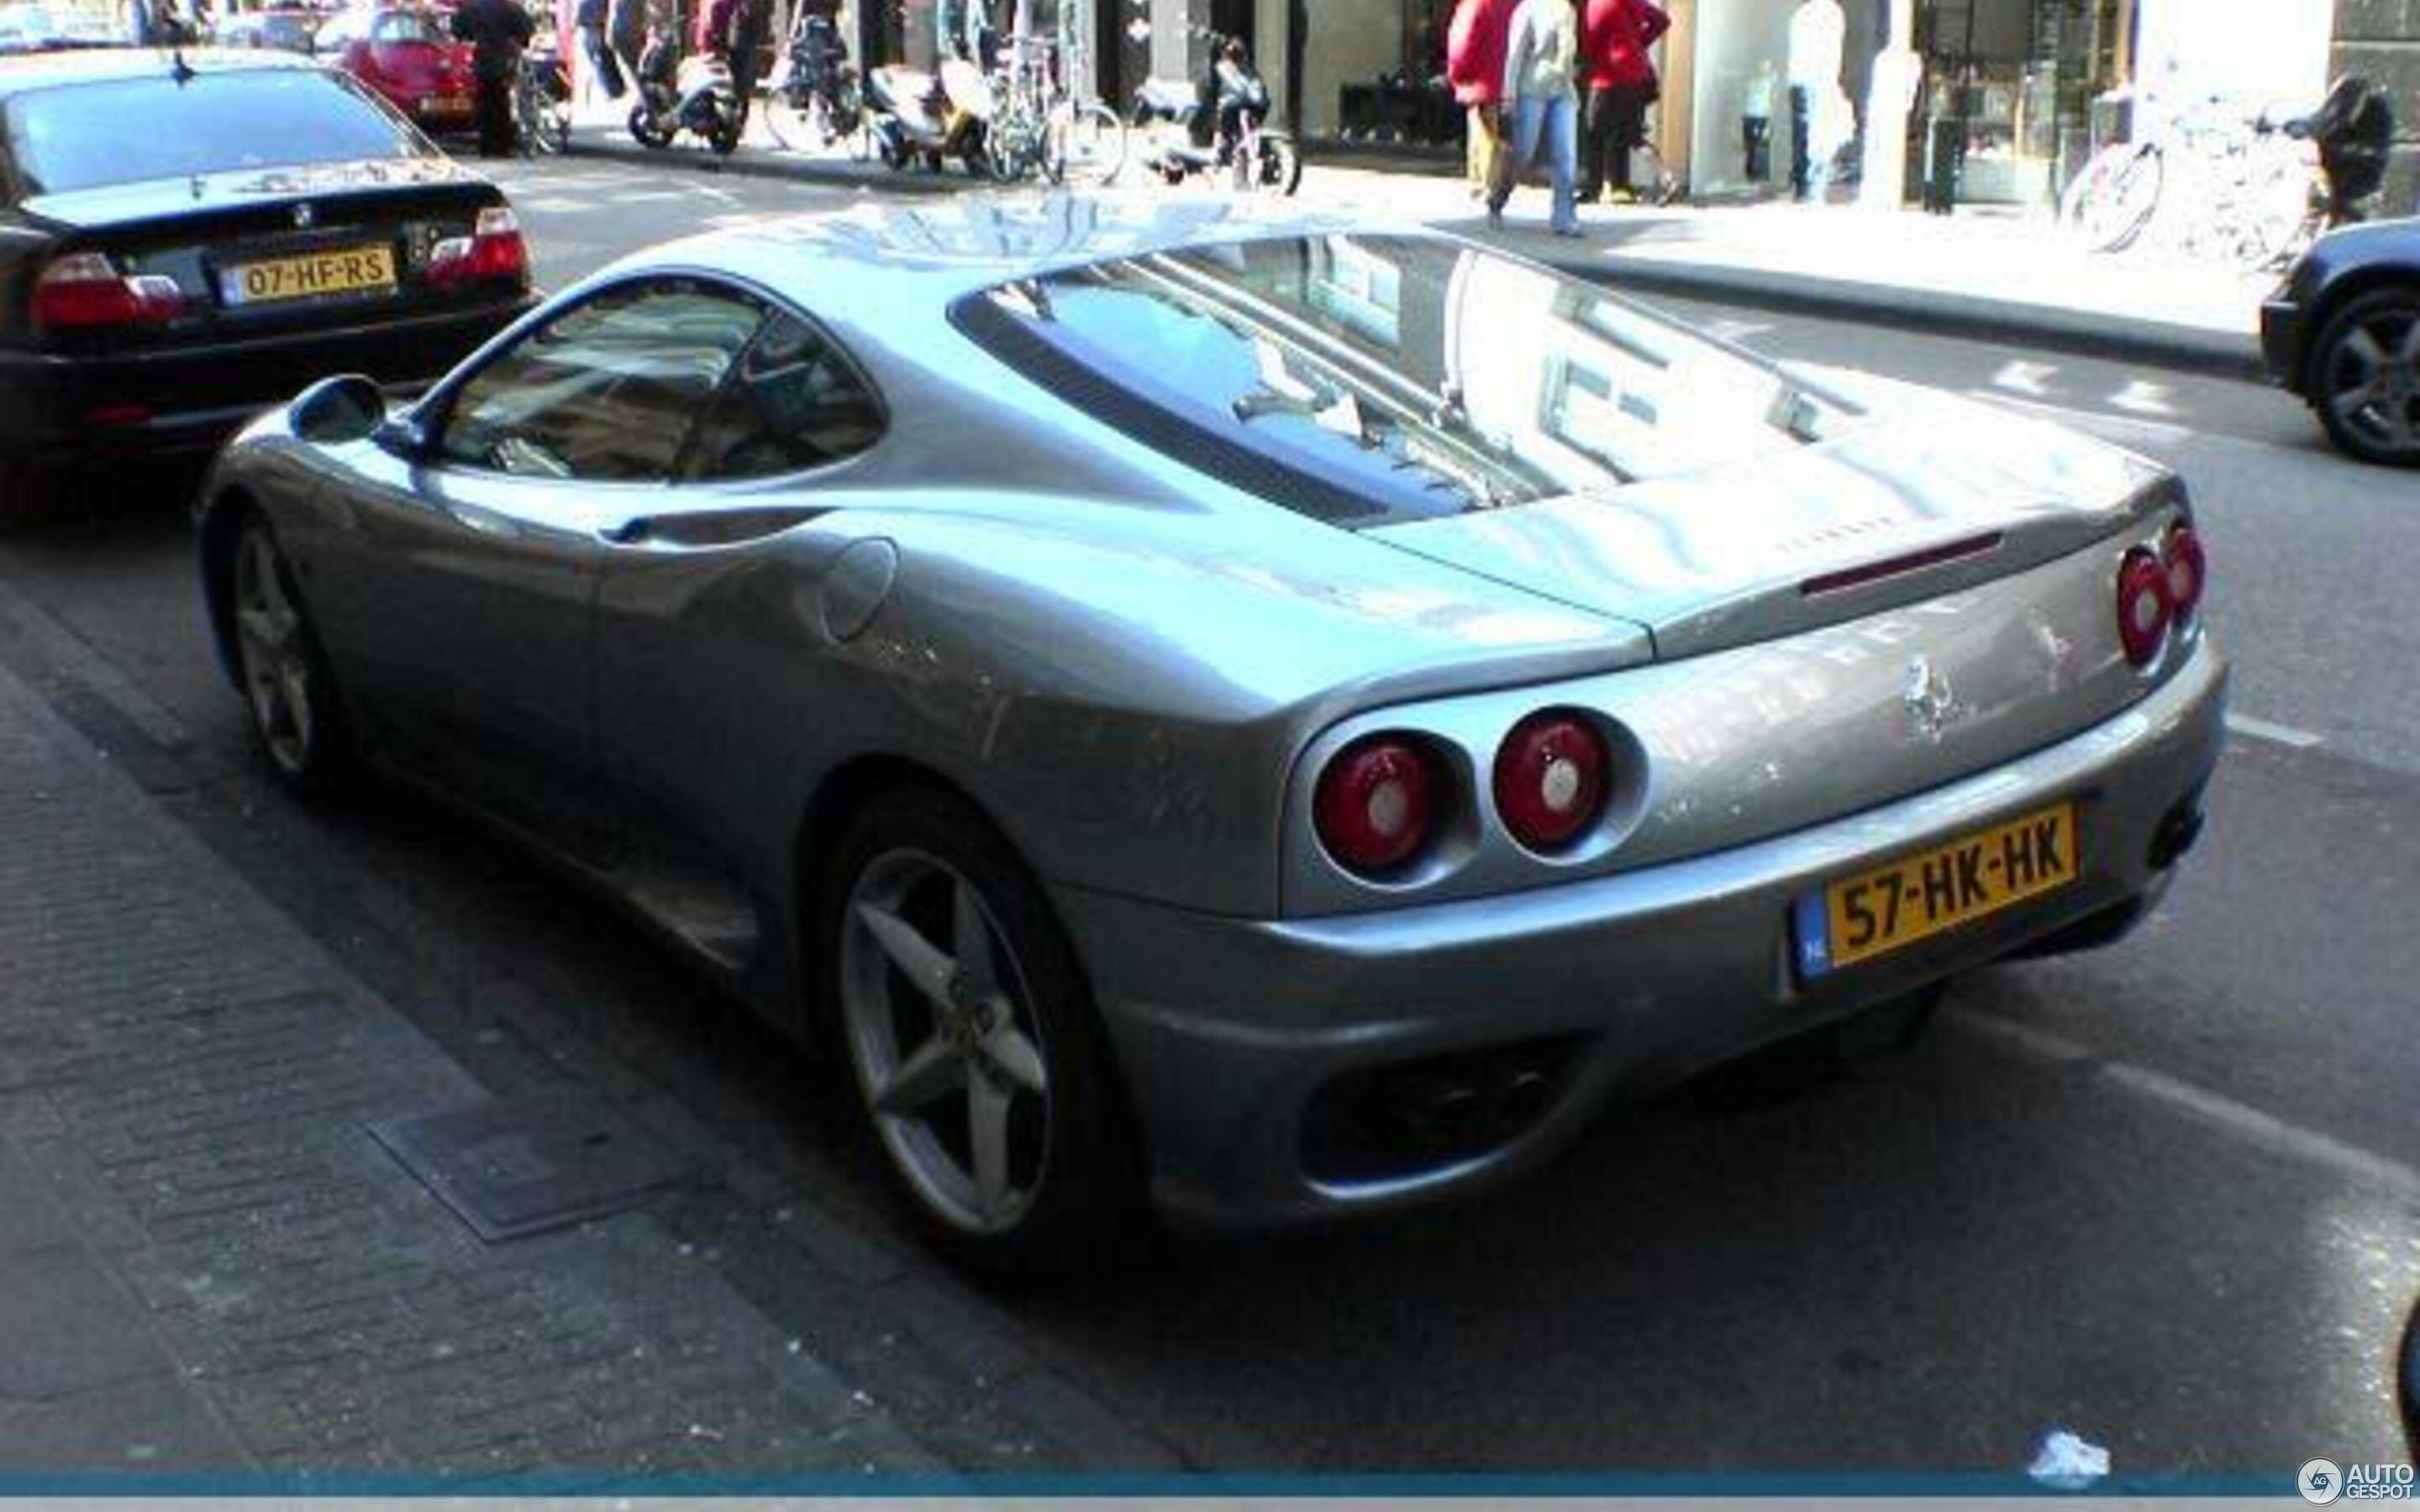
2343 330
185 239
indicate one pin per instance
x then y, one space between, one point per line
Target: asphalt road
2165 1196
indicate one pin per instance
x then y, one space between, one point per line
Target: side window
794 404
608 391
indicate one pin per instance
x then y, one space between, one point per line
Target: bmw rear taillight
493 252
1550 781
2188 569
85 291
2143 605
1376 804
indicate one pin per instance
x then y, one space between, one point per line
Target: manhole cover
520 1165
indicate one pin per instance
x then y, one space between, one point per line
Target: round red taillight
1374 804
2144 608
1550 780
2188 570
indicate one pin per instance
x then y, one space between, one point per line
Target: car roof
861 258
104 65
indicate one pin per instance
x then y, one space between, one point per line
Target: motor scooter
928 119
684 94
1216 122
2354 132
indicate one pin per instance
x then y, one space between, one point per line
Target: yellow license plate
1917 897
348 270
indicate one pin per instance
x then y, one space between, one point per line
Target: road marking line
2275 735
2265 1131
2269 1133
2151 429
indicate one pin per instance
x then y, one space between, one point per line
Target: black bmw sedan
186 239
2343 330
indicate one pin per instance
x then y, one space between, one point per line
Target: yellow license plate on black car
1917 897
345 271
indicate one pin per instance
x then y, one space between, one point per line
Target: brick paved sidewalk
207 1264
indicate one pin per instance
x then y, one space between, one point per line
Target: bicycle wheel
1087 144
2113 197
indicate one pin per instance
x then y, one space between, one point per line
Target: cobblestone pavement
209 1265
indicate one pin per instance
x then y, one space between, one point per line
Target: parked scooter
1219 121
928 119
684 94
2353 132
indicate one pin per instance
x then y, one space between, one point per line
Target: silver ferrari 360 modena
1254 718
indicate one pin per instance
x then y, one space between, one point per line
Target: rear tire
2113 198
972 1042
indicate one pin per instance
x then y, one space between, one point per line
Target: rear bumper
1235 1036
70 409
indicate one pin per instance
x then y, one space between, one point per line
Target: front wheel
975 1048
2365 376
792 115
648 130
724 137
286 685
2112 199
1275 166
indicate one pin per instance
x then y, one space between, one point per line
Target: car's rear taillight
1376 804
2188 569
2144 606
1550 780
85 291
493 252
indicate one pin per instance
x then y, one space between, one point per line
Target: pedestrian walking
1615 37
498 32
600 69
1818 31
1474 66
1540 87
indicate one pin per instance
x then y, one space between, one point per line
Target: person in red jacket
1615 36
1474 65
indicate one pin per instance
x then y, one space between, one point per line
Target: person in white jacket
1818 32
1542 93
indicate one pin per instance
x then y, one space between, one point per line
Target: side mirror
338 410
404 434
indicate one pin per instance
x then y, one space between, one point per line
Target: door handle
631 531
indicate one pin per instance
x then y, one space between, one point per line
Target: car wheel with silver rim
2366 377
972 1040
285 683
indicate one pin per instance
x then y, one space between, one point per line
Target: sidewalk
1996 277
210 1265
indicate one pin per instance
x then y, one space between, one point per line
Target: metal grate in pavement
520 1165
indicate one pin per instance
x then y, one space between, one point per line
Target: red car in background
409 55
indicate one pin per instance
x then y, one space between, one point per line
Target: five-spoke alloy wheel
285 681
971 1039
2366 377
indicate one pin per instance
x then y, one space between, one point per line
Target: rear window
1369 379
78 136
409 26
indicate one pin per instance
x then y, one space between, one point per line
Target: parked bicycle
1043 123
2252 190
542 102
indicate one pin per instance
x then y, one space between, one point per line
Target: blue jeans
1556 118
